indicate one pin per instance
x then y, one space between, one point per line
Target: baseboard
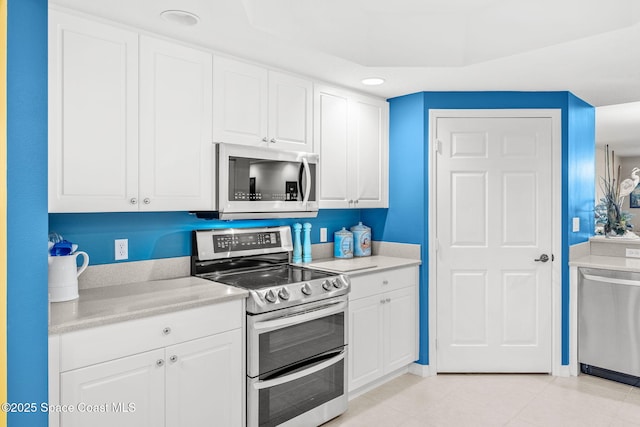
421 370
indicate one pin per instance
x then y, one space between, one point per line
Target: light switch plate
576 224
633 253
323 234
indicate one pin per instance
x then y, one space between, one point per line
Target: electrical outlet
633 253
323 234
122 249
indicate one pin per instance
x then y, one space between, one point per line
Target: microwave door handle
278 323
320 366
307 174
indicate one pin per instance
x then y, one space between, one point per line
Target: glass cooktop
268 277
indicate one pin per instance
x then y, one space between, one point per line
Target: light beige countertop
607 263
361 265
110 304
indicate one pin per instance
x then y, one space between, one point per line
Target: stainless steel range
296 324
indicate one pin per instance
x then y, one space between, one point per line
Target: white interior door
494 210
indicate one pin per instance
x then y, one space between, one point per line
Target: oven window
286 401
294 343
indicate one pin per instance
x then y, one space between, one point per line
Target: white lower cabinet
383 324
195 379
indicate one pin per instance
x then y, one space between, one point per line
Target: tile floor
480 400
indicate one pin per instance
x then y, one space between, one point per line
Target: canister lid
360 227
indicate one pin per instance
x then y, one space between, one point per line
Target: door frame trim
556 229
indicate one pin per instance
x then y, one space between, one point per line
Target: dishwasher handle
611 280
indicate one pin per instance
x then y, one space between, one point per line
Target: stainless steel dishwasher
609 324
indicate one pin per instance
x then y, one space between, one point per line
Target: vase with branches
609 214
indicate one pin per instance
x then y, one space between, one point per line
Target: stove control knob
283 294
336 283
306 289
326 285
270 296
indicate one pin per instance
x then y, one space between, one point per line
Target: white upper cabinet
176 150
351 133
130 121
256 106
93 115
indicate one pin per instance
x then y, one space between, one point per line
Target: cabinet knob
133 201
385 282
272 140
388 300
382 301
173 358
350 202
265 139
159 362
147 200
166 331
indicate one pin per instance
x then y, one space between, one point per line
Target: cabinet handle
159 362
173 358
133 201
166 331
147 200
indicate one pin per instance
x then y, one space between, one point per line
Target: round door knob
306 289
270 296
283 294
543 258
336 283
159 362
173 358
326 285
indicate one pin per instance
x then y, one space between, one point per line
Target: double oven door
297 364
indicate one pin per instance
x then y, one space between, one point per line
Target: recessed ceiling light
373 81
180 17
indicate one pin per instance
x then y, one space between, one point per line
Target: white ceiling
588 47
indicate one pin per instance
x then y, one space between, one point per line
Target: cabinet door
370 152
290 112
400 328
175 127
93 116
365 341
127 392
332 143
205 381
239 102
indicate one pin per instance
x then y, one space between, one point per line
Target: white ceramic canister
343 244
361 240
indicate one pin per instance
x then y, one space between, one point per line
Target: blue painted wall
155 235
405 220
27 208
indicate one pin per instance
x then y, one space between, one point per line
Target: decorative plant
609 214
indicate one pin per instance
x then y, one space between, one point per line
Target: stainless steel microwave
256 182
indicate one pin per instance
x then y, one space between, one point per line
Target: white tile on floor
478 400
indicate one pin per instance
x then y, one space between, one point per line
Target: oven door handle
312 370
267 325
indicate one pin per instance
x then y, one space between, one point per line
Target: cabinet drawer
93 345
388 280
